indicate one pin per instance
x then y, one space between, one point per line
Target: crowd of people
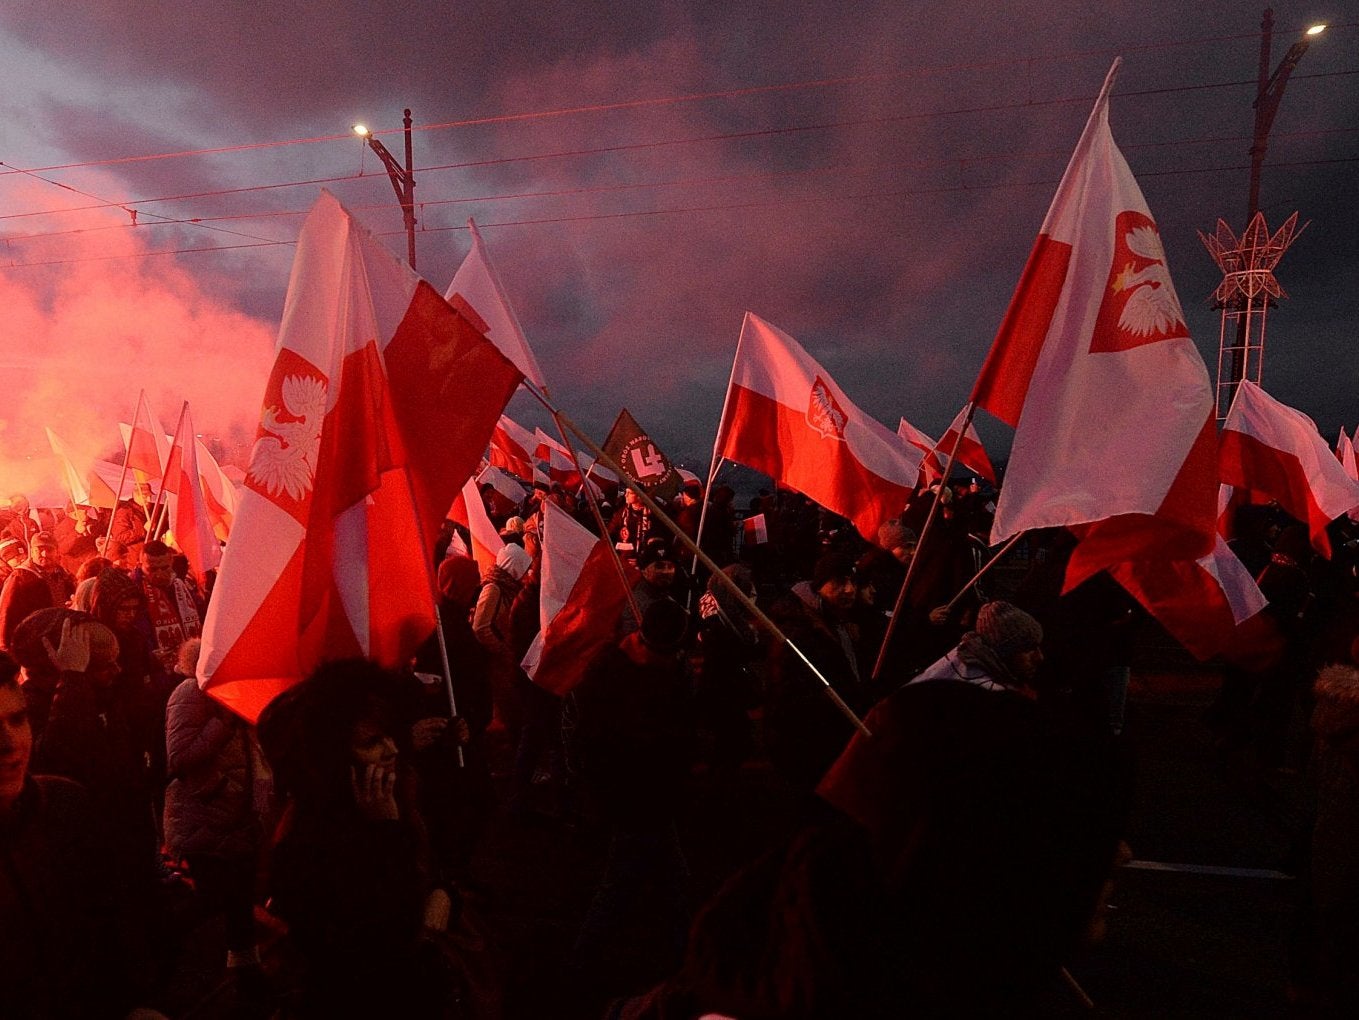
948 854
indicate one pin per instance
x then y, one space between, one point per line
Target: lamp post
402 178
1268 94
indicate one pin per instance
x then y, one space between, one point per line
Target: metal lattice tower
1247 291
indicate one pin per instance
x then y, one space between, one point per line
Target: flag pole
541 395
986 569
157 517
448 672
122 476
714 462
746 602
920 542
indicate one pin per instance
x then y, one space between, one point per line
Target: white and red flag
930 469
507 492
1273 451
75 480
190 521
784 415
582 598
380 403
469 511
512 448
755 530
1094 367
971 452
477 293
219 492
1211 605
1344 452
148 447
560 467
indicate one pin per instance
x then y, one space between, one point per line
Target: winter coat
493 627
804 731
993 819
214 803
634 733
67 944
25 592
1335 838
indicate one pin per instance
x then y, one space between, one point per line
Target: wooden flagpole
920 542
122 476
986 569
543 398
746 602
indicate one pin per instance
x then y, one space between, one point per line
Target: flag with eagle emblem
380 403
784 415
1094 367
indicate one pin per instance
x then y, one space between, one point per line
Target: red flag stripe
769 436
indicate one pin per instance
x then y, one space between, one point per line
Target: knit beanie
459 579
1007 628
894 535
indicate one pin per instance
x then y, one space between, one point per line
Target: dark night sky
879 208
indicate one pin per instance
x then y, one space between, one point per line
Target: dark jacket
25 592
634 732
66 948
211 805
804 730
90 738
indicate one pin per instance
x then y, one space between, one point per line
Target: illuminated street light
402 177
1268 94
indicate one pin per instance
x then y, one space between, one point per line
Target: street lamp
1269 92
402 177
1268 95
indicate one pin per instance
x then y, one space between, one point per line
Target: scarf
174 617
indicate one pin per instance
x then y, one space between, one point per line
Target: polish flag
1275 452
469 511
219 491
1211 605
477 293
75 480
755 530
148 447
357 460
1094 367
190 522
971 452
784 415
560 467
930 468
507 492
581 602
510 448
1344 452
103 479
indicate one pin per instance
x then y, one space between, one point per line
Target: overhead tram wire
662 143
938 164
132 213
688 210
924 72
